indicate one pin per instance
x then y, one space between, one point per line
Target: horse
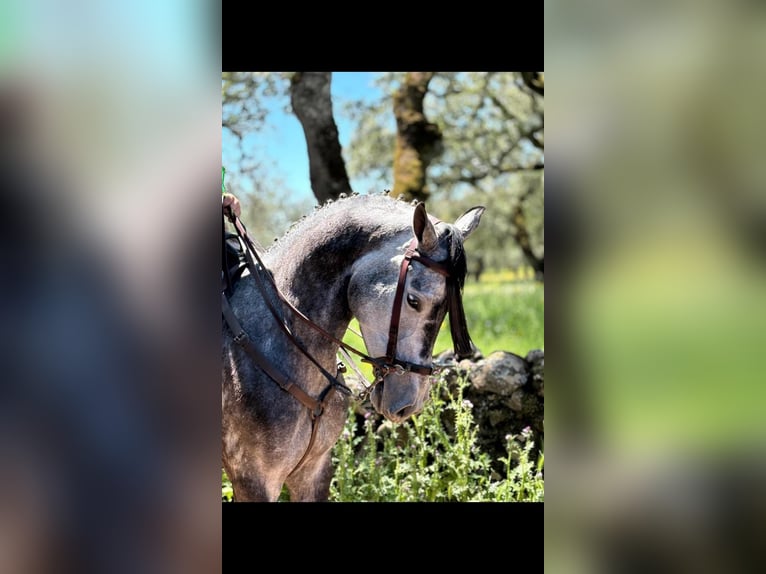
366 256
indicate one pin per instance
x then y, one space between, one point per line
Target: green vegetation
421 461
227 492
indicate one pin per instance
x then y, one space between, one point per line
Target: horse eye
412 302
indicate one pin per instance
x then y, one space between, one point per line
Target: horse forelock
456 264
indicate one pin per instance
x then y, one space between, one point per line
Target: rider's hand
230 201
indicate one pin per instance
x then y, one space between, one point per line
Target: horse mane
331 206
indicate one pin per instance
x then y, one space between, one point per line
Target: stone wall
507 395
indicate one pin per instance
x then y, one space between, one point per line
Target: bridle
390 362
382 366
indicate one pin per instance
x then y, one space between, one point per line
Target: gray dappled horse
342 261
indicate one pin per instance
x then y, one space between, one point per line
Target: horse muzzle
399 395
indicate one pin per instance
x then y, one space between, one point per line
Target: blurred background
109 393
656 207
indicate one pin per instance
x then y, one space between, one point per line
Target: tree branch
494 171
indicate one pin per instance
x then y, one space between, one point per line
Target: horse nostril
404 413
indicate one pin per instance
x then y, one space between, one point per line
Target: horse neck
313 267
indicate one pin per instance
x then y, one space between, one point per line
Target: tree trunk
418 141
312 104
521 235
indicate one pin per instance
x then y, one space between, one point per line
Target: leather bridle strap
280 322
396 312
240 337
242 232
411 254
315 407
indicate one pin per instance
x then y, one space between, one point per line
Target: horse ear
469 221
423 228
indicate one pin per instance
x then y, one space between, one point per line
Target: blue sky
282 143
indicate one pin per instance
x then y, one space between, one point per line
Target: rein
254 270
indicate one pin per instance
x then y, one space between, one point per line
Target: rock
448 358
497 416
507 392
502 373
536 362
515 402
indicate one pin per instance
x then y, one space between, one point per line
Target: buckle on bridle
383 370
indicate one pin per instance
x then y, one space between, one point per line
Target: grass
502 315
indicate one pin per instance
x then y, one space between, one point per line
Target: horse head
400 294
